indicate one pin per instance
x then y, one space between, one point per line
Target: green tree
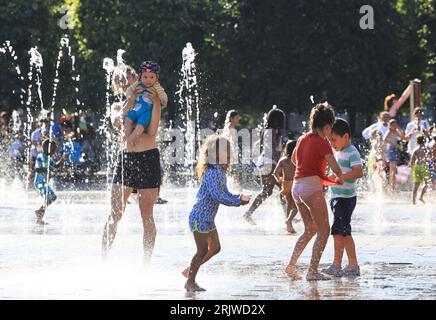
26 24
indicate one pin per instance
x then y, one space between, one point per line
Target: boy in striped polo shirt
343 200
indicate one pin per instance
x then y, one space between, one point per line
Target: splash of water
120 59
64 43
17 123
189 101
304 123
36 62
109 67
7 48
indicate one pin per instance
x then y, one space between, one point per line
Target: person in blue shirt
44 165
73 149
212 166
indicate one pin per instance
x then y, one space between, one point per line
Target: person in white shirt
414 128
382 125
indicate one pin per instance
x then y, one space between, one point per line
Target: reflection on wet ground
396 246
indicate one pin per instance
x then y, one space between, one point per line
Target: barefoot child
311 156
211 170
284 175
138 106
392 137
420 168
343 200
42 168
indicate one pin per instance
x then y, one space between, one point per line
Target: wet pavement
396 247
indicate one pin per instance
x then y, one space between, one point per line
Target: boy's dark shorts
139 170
342 209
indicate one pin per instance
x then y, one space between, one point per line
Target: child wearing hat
139 106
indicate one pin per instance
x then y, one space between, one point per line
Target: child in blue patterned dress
42 168
214 161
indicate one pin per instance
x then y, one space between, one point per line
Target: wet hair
46 144
230 115
289 148
276 119
321 115
341 127
389 101
420 139
120 73
211 144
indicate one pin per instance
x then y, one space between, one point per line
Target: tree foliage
251 53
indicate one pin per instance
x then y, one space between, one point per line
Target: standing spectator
382 125
414 128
